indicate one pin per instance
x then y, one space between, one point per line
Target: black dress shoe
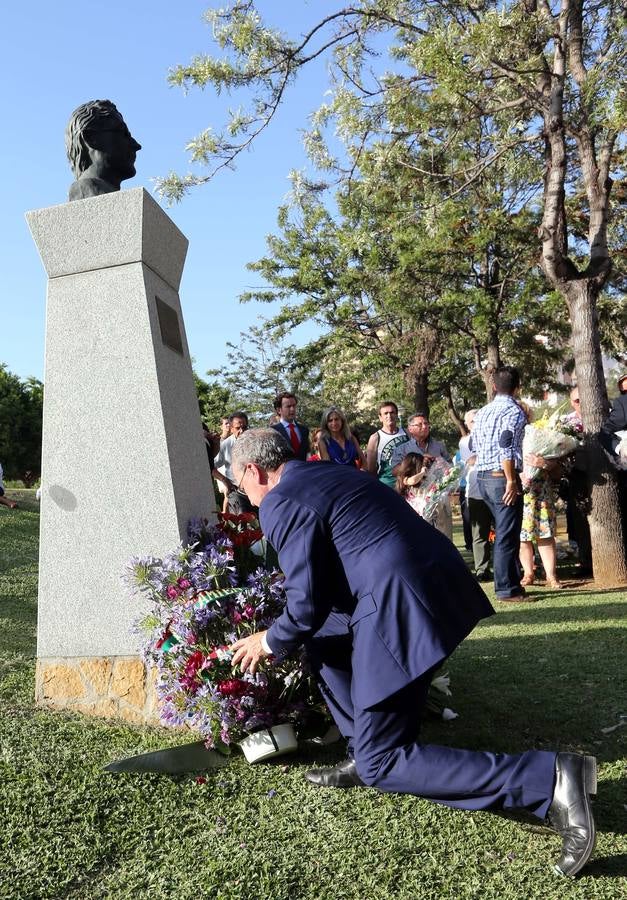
570 813
344 775
523 597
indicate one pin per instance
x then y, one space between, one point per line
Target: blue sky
57 56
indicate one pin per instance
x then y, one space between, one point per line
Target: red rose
233 687
193 664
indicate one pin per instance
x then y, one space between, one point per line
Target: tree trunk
486 377
608 548
421 393
454 416
484 372
493 353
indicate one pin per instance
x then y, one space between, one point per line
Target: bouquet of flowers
550 438
204 597
570 424
441 480
242 531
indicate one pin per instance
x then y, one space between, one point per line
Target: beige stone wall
112 687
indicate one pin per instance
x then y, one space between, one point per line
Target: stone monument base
111 687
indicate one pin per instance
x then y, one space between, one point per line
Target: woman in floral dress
539 523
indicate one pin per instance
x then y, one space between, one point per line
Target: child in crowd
410 474
314 456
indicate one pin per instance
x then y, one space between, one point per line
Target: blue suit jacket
349 544
303 451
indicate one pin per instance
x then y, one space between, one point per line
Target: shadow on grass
536 613
554 691
16 614
607 819
578 588
604 866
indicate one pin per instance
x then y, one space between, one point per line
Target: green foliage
214 401
434 133
21 410
400 292
263 365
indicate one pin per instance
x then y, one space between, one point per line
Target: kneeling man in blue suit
379 599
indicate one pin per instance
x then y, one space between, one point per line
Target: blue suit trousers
384 741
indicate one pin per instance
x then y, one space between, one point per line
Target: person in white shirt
479 515
236 501
382 443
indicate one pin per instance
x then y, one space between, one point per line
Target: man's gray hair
417 415
263 446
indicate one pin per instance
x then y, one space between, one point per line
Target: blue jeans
507 525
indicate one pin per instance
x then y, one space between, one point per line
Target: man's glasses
241 481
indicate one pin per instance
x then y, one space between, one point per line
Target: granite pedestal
124 462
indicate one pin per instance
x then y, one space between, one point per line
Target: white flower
442 683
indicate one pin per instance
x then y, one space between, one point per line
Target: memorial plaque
169 324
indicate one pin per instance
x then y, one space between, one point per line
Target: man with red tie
295 433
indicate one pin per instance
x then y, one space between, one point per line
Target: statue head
100 148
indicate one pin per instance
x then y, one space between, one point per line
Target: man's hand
512 483
511 493
249 652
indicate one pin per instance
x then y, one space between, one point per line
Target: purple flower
181 635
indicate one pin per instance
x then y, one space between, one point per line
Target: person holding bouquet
545 444
539 524
409 475
434 453
426 483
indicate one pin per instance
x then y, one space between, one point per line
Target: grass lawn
547 675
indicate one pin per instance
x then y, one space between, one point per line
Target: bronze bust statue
100 149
